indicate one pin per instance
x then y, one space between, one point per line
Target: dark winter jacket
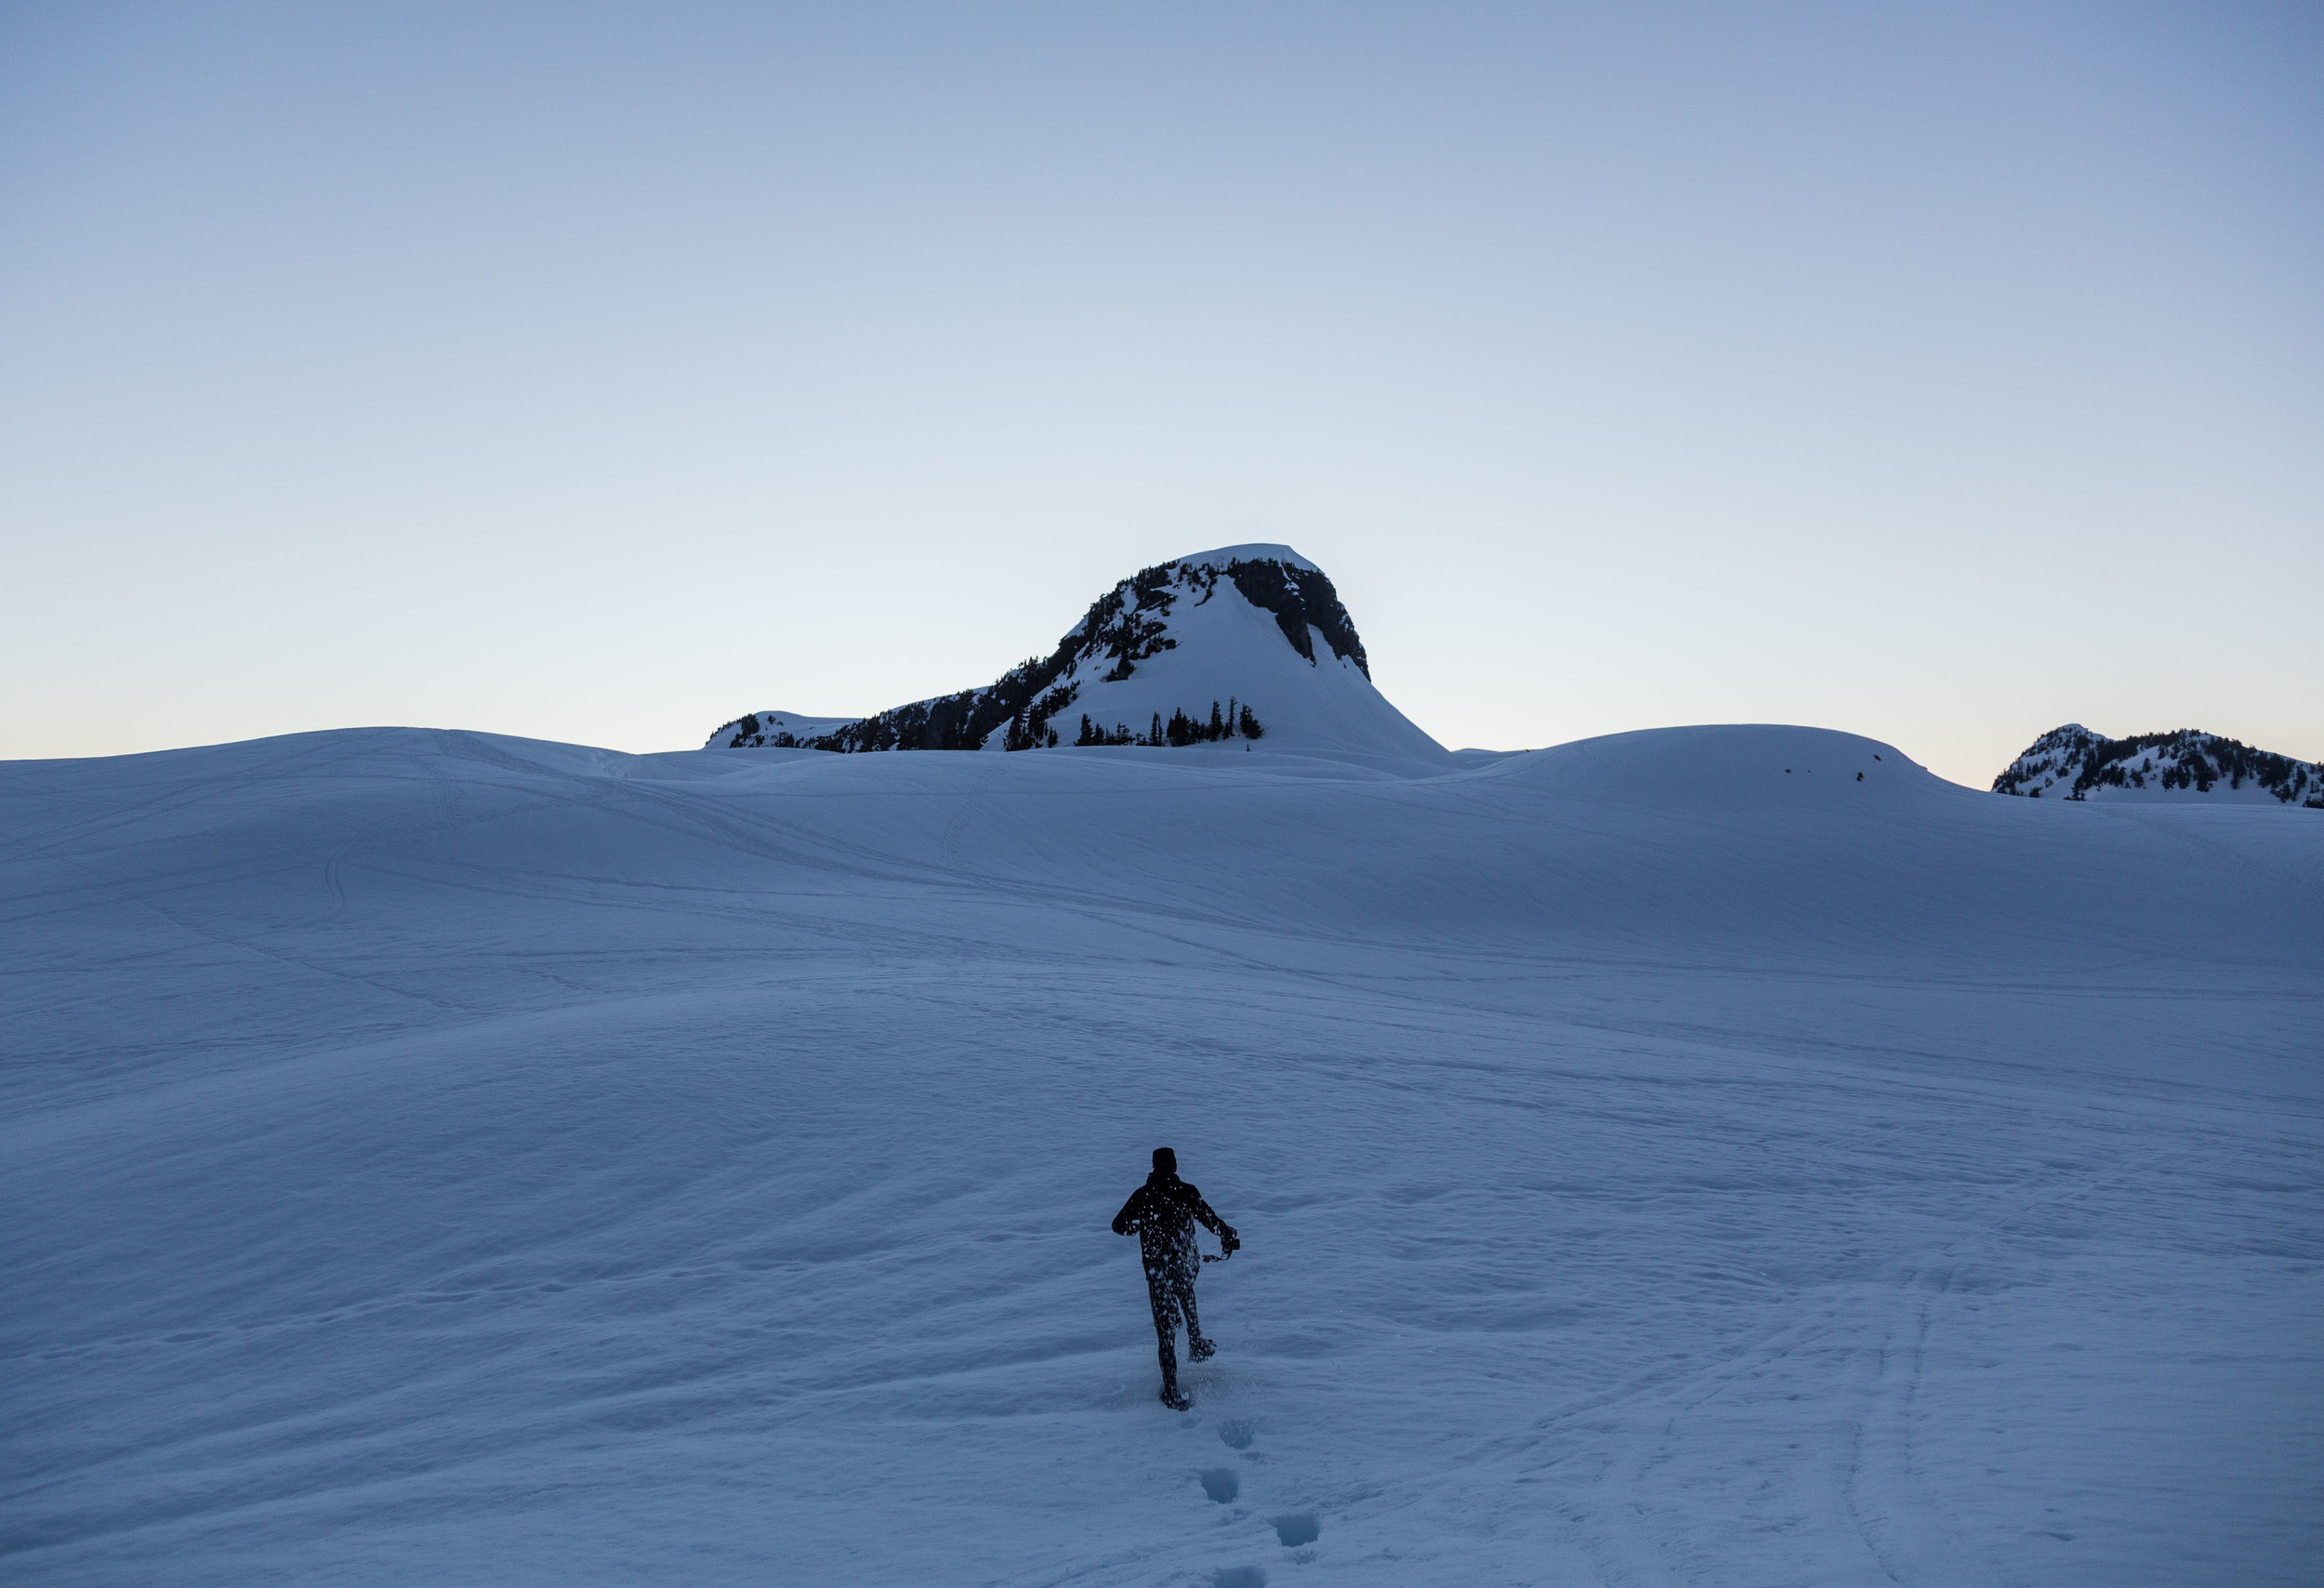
1163 1212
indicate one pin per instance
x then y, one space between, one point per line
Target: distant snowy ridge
1234 645
2186 763
785 728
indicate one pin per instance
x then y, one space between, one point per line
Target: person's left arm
1228 1240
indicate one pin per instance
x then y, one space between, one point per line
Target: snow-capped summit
1225 557
1218 648
2071 762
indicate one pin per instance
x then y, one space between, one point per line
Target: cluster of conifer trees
1119 626
1180 731
1029 729
2229 761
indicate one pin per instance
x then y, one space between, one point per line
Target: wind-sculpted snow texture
2072 763
434 1157
1236 643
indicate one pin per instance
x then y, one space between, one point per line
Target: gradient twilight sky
598 373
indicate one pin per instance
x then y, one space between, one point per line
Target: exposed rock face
1199 650
1301 597
2071 762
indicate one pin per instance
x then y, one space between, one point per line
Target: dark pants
1171 1288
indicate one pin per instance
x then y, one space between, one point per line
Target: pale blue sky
601 373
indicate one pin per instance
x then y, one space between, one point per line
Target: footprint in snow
1236 1434
1297 1528
1238 1577
1221 1484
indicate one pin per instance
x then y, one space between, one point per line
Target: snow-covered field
433 1157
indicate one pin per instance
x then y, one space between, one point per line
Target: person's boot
1174 1398
1201 1350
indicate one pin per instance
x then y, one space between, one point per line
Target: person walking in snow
1162 1215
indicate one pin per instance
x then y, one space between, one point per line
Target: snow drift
1670 1157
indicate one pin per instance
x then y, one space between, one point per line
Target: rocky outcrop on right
2071 762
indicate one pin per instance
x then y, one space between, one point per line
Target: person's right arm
1126 1221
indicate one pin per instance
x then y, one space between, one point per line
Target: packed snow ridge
1219 647
2182 764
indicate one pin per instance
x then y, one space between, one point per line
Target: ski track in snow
440 1158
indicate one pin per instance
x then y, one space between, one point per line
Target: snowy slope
1253 629
439 1157
2071 762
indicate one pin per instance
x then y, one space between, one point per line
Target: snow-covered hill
779 730
2072 763
436 1158
1223 647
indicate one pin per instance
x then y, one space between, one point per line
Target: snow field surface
434 1156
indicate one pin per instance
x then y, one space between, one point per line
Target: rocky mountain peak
1235 643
